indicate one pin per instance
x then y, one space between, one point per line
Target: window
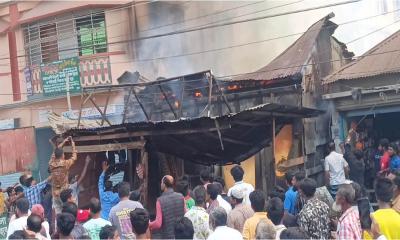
91 34
49 43
64 37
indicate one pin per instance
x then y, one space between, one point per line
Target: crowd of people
341 209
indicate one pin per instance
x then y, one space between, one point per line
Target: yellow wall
249 172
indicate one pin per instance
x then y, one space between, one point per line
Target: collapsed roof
222 140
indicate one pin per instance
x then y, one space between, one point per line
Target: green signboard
57 75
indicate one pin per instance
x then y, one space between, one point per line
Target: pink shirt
157 223
349 226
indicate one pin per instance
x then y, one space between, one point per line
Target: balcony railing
93 70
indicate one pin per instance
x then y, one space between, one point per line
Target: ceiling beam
99 135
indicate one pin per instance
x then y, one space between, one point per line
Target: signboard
57 75
92 113
28 81
7 124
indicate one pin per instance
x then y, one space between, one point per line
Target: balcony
93 70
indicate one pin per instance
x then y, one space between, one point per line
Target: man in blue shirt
290 195
108 198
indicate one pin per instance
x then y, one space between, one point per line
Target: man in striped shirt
349 226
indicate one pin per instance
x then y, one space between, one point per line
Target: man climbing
59 171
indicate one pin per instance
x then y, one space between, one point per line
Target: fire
198 94
233 87
177 104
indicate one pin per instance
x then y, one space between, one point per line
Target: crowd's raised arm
341 209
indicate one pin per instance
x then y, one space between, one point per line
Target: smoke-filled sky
164 17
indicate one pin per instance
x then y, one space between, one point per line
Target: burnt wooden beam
251 124
169 104
223 97
276 114
105 107
128 100
102 136
140 104
101 112
230 140
82 104
106 147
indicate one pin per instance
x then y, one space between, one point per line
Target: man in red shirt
385 159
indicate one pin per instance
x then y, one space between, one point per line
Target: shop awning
207 140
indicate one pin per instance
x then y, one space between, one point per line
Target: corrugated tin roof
292 60
384 58
9 180
242 134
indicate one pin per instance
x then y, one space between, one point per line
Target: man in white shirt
218 219
221 201
336 170
237 173
22 208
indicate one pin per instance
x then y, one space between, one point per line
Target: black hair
184 228
71 208
22 179
205 175
140 220
237 173
257 200
308 186
58 153
134 196
213 190
278 192
199 195
395 147
65 195
22 205
294 233
289 177
300 175
124 189
28 181
220 180
331 146
107 232
94 205
275 210
18 235
9 190
358 154
19 189
34 223
65 223
384 190
182 187
384 142
108 186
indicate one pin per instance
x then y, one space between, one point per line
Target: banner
56 75
28 81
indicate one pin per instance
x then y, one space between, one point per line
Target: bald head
167 182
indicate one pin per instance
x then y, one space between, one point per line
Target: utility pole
68 94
